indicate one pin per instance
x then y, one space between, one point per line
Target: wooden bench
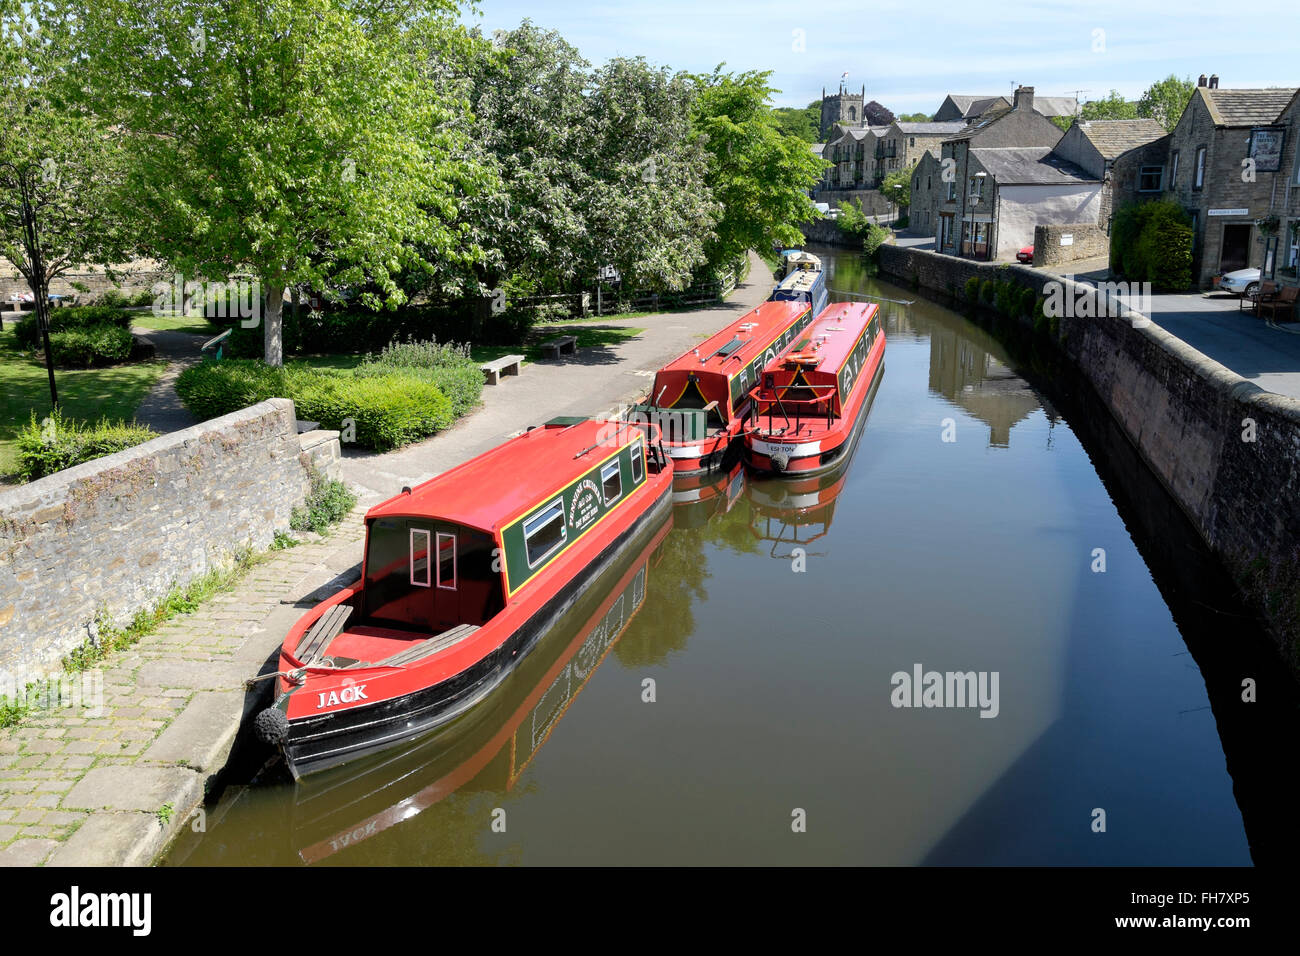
1286 299
327 627
506 365
563 345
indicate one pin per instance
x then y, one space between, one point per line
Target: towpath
113 786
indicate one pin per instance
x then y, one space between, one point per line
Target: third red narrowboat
700 399
810 406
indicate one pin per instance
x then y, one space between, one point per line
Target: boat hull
317 743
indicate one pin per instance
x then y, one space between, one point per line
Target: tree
873 114
1165 100
802 123
1112 107
58 169
760 175
307 141
914 117
897 186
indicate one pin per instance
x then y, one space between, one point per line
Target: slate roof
932 129
1113 138
974 105
1245 107
1056 105
1030 166
818 148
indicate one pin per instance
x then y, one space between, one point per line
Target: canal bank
1225 449
115 786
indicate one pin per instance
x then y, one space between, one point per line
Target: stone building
965 210
1285 202
843 108
902 145
927 183
956 106
1128 156
1226 171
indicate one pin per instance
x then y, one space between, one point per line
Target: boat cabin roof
832 336
732 348
495 488
801 280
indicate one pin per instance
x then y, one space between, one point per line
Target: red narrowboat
812 402
462 574
699 401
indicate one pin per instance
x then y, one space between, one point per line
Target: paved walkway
162 409
82 789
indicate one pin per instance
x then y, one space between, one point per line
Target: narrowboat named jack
462 575
809 408
699 400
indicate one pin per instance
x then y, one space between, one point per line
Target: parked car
1241 282
1026 255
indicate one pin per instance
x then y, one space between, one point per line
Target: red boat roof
832 335
497 486
755 330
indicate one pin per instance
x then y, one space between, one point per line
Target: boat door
435 567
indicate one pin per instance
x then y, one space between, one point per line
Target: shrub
1025 304
1006 298
427 354
1152 242
91 345
973 289
386 410
327 503
988 289
74 317
902 222
58 443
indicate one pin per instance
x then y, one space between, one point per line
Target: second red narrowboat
462 574
811 403
700 399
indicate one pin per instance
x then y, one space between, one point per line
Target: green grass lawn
589 336
84 394
171 322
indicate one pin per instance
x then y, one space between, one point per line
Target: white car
1241 282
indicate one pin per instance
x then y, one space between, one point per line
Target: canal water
729 693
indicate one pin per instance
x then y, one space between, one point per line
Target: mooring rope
880 298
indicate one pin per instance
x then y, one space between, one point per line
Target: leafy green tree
760 175
1113 106
306 141
914 117
802 123
897 186
59 170
1165 100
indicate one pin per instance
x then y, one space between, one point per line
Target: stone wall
97 282
1087 242
827 232
114 535
1188 416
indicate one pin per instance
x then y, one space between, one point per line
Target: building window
446 561
1198 177
420 558
1173 170
952 190
1149 179
911 141
1296 177
544 532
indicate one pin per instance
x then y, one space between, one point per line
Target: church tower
843 108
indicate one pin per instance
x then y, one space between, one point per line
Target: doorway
1234 254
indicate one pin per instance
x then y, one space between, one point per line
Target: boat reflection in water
699 498
333 813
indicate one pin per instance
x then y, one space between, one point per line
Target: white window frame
545 512
428 558
638 464
605 475
1173 170
438 541
1198 174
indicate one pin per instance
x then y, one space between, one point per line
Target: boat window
544 532
636 463
611 480
446 561
419 558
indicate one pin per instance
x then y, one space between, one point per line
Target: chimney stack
1024 98
1201 80
1214 82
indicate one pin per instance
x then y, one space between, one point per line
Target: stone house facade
1284 203
964 209
1220 170
927 184
1128 156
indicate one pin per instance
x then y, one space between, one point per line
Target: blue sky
910 53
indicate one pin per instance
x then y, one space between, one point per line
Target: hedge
386 410
92 345
57 443
1152 242
74 317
